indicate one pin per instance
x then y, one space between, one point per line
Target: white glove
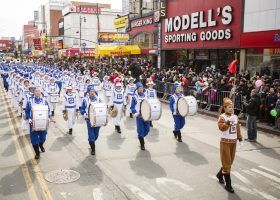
136 114
30 121
241 145
174 113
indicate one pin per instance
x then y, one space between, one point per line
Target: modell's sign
142 22
182 29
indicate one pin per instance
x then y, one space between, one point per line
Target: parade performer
96 82
69 108
118 100
179 121
93 132
80 87
52 89
143 127
65 80
45 85
130 89
37 138
230 132
22 94
151 93
107 89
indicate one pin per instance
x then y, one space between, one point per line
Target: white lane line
274 178
254 190
97 194
138 192
159 194
270 170
242 178
182 185
244 189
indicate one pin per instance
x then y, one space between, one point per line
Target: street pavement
166 170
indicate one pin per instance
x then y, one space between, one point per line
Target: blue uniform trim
70 106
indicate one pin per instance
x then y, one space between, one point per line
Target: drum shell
151 109
190 103
97 114
54 98
40 118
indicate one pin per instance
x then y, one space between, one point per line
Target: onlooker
253 107
270 102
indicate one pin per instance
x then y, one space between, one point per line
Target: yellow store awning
117 50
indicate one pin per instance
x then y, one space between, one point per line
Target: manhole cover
62 176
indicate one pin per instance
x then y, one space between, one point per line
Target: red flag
232 67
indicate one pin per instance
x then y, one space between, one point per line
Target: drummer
179 121
151 93
143 127
93 132
130 88
70 108
37 138
52 89
118 100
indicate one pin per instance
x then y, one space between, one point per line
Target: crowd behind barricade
209 86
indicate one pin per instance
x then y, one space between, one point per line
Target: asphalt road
166 170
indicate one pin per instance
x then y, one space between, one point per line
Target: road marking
97 194
35 165
274 178
255 191
159 194
138 192
270 170
27 178
164 181
242 178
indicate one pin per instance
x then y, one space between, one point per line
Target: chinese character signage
106 37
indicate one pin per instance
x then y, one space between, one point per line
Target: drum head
145 110
91 115
183 107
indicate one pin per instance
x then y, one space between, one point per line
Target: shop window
144 40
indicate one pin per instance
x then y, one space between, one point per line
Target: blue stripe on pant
179 122
93 132
143 127
37 137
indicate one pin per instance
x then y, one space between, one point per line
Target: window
144 40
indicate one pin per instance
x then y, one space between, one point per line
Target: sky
15 13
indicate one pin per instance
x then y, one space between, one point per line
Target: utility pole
80 31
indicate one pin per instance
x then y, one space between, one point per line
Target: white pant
71 114
128 105
9 93
52 106
117 119
106 99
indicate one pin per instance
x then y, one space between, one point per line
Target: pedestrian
179 121
143 127
230 132
93 132
252 109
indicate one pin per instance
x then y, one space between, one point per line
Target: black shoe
151 124
92 146
142 143
70 131
130 115
42 147
37 152
52 113
118 129
228 186
175 134
220 177
179 136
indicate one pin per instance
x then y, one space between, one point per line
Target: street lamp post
81 18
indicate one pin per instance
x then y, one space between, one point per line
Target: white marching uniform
64 80
96 83
107 87
80 87
52 89
45 85
118 100
22 94
129 91
70 105
151 93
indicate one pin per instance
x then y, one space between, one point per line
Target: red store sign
203 24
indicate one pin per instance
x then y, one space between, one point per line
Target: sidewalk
261 126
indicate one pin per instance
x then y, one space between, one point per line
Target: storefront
207 33
143 32
117 50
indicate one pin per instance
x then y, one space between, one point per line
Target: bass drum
97 114
187 106
40 118
151 109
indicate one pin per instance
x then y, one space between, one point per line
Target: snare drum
97 113
187 106
40 117
151 109
54 98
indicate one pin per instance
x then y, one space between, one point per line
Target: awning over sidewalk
117 50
